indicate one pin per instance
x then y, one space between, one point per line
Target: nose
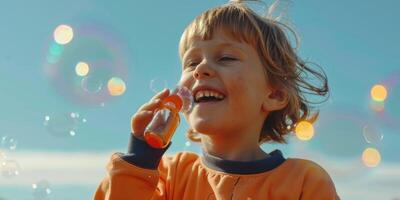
203 69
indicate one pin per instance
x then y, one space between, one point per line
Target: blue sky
354 41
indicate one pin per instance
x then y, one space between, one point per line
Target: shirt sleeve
318 185
134 175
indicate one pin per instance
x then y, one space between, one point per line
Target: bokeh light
54 53
304 130
82 69
388 112
2 156
10 168
116 86
41 190
371 157
8 143
377 106
63 34
378 92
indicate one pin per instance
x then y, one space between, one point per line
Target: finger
150 106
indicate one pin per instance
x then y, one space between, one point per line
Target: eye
191 64
227 58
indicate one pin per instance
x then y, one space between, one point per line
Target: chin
204 126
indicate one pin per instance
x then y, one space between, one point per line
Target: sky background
355 42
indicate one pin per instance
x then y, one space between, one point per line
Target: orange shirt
145 173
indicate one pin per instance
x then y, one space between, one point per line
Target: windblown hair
283 68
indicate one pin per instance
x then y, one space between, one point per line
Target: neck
233 148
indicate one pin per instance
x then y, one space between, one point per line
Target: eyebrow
219 46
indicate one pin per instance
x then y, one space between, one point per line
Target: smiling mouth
208 99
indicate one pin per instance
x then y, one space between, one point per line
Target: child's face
234 70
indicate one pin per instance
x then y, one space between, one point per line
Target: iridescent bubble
372 135
10 168
9 143
116 86
41 190
63 124
95 55
63 34
157 85
91 84
339 133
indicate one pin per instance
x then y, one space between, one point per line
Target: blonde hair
283 68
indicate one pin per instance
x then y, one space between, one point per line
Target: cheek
186 80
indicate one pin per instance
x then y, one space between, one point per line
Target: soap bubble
97 47
91 84
339 133
63 124
10 168
9 143
157 85
372 135
41 190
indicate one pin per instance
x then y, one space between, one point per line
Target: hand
145 114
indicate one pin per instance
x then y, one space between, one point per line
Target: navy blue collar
244 167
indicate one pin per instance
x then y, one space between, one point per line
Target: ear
274 100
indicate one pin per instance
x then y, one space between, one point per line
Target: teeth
208 93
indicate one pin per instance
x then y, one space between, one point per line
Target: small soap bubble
91 84
62 124
157 85
372 135
10 168
41 190
187 144
8 143
84 120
